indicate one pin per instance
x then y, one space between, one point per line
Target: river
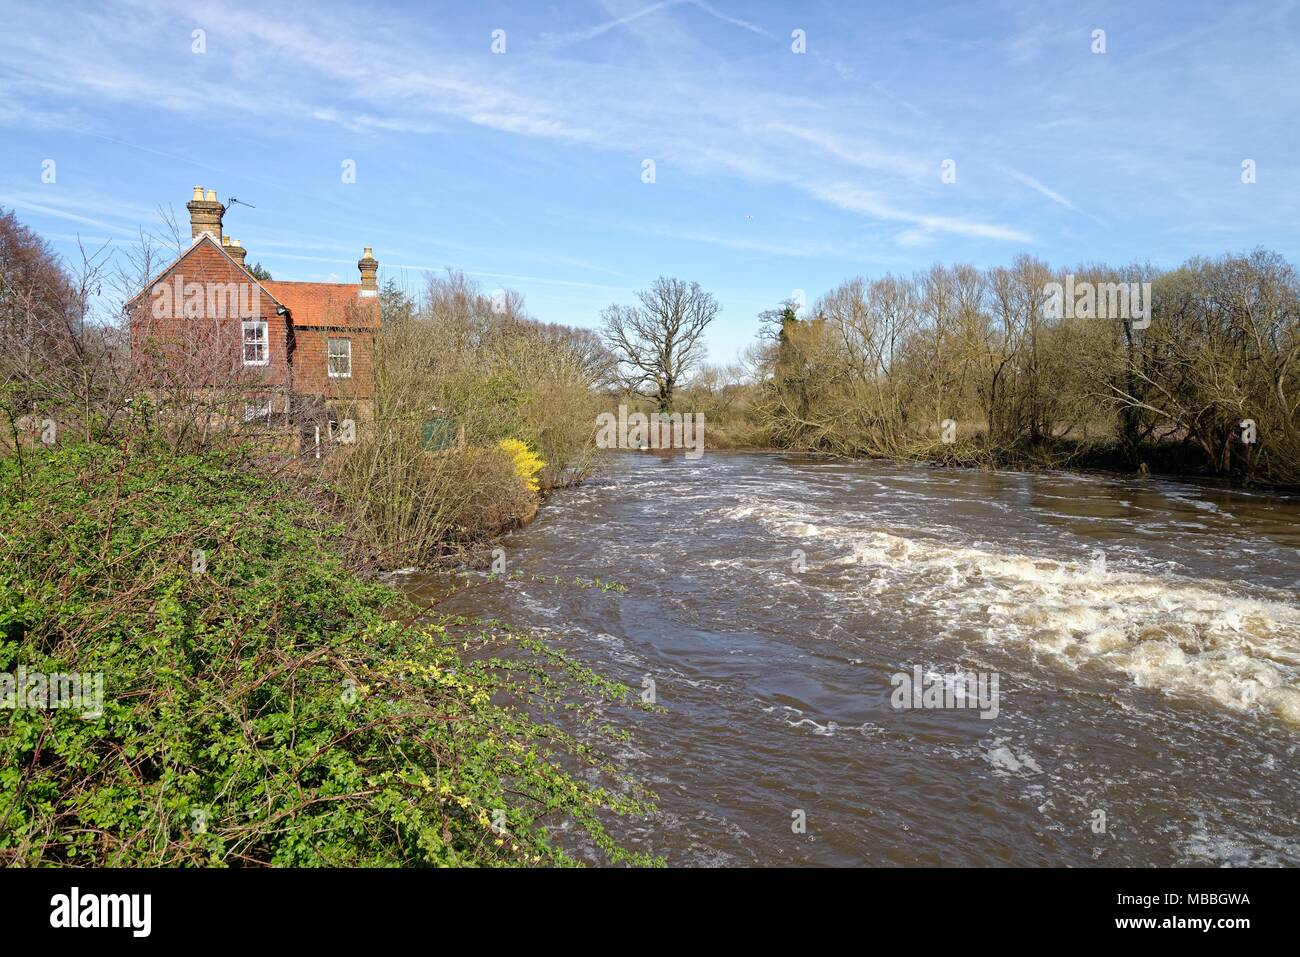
1144 636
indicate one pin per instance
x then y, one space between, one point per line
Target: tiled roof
195 243
326 303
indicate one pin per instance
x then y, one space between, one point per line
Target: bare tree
55 357
659 342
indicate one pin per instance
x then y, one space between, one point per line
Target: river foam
1220 643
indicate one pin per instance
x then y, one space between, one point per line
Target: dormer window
255 345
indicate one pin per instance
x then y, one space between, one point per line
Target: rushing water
1145 636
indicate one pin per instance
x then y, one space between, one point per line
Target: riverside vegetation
273 709
964 366
479 361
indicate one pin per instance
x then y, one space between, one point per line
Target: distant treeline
1195 368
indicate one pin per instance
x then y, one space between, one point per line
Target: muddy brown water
1145 636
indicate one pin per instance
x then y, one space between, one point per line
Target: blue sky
774 170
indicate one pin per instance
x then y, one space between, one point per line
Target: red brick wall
174 348
309 364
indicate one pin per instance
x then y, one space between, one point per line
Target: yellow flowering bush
527 462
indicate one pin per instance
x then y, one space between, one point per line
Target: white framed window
340 359
255 346
257 411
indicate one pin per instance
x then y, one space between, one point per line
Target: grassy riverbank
264 705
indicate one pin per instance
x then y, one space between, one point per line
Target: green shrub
273 709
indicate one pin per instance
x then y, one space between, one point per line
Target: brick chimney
232 246
205 214
369 267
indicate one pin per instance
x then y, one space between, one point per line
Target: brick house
284 353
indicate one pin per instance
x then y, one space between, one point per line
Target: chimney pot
369 267
205 214
236 251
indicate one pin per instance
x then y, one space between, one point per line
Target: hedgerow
264 705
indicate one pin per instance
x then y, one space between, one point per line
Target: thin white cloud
74 210
914 237
734 21
1034 184
856 199
855 152
590 33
